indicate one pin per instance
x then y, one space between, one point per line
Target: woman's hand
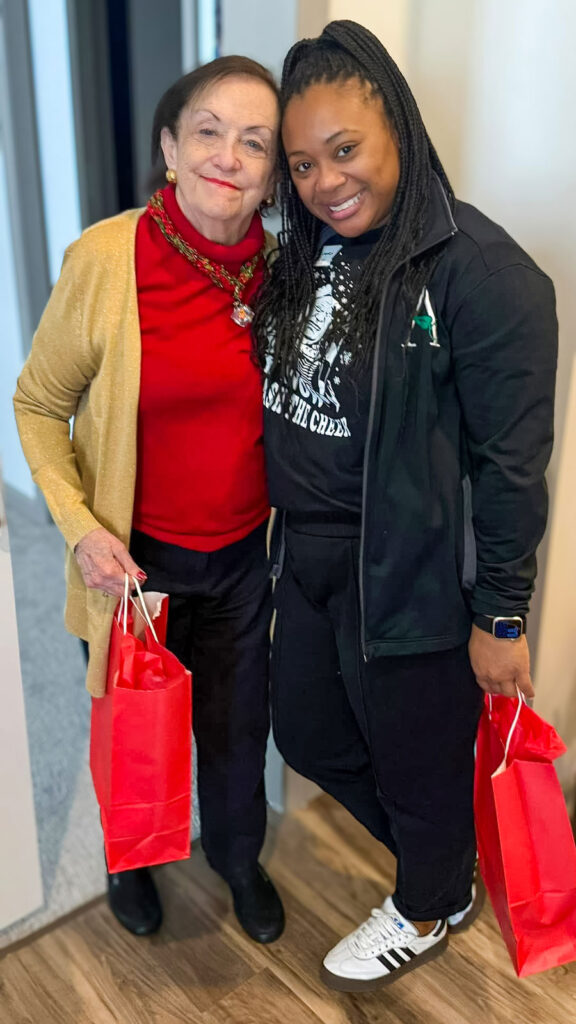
103 561
500 665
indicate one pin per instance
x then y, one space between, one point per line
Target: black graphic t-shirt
315 440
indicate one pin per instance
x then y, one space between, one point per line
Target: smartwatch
503 627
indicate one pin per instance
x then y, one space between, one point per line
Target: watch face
507 629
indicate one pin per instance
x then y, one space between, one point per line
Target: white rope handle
521 701
142 611
123 606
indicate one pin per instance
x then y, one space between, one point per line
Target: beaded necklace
241 313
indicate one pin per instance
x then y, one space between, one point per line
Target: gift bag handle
123 606
142 611
521 701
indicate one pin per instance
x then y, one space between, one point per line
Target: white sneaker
382 949
464 918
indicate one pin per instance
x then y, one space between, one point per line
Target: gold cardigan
85 363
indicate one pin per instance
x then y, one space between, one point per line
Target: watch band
503 627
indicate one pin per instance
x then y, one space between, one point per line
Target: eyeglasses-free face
343 155
224 155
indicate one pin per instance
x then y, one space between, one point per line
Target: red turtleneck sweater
201 477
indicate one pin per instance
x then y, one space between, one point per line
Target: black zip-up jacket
459 436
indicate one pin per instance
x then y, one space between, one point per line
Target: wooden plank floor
202 969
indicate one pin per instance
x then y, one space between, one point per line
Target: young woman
409 347
146 343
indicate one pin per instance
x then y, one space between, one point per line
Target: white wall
441 53
556 661
259 29
20 881
496 81
390 20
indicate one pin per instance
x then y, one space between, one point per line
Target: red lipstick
224 184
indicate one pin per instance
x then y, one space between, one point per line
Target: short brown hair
178 96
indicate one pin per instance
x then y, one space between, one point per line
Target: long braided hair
346 51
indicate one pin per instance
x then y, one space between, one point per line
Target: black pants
218 626
391 739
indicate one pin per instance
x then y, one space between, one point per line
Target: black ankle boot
134 901
257 905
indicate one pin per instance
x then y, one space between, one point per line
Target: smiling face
343 155
224 155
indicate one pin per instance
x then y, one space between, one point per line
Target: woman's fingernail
141 576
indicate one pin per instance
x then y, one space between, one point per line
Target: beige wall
556 662
495 81
390 20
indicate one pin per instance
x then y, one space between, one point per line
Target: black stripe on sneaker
404 954
393 958
395 954
388 961
438 927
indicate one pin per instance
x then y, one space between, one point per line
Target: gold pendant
242 314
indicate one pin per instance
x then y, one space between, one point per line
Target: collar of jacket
439 224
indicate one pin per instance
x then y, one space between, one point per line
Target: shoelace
380 929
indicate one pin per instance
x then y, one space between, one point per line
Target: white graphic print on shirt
314 403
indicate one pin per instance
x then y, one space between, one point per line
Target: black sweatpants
218 626
392 739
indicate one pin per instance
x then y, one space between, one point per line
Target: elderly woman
146 343
410 349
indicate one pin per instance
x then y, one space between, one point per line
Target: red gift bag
526 849
140 745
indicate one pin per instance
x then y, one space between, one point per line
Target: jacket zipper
379 349
374 389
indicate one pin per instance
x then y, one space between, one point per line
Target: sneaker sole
474 911
338 984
